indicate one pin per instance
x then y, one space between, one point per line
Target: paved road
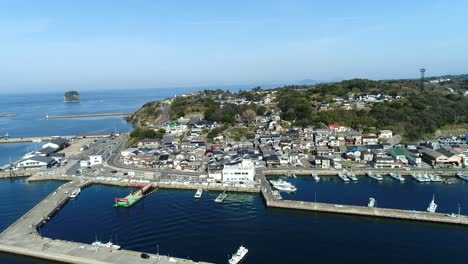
165 110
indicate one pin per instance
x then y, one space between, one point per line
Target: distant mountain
308 82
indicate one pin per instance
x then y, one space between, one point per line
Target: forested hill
365 105
412 113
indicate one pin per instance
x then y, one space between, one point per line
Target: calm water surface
204 230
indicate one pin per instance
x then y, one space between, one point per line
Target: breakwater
87 115
23 238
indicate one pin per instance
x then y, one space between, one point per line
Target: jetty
23 238
7 115
87 115
7 140
399 214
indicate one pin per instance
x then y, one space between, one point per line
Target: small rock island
71 97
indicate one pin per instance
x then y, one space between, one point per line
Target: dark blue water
204 230
16 198
409 195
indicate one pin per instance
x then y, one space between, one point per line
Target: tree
249 115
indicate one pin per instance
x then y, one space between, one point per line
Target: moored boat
74 193
343 177
432 206
221 197
198 194
462 176
239 255
419 177
283 185
435 178
316 177
374 176
371 202
351 176
397 177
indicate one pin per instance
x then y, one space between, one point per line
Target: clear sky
94 44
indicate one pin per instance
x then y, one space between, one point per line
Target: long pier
22 237
271 201
87 115
31 139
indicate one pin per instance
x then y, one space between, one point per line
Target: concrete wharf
22 237
87 115
271 201
31 139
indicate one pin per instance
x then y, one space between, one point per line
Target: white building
85 163
385 134
36 162
241 171
98 158
129 152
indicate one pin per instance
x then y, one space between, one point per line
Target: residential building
240 171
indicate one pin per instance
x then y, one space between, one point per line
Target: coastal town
233 143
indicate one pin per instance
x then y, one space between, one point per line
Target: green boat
133 197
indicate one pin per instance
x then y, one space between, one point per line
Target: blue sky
55 45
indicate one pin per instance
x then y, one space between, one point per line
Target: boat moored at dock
351 176
397 176
221 197
432 206
420 177
133 197
198 194
316 177
343 177
239 255
435 178
282 185
374 176
371 202
462 176
74 193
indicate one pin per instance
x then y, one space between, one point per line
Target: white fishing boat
435 178
397 177
462 176
74 193
351 176
239 255
198 194
111 245
432 206
374 176
283 185
426 177
371 203
343 177
418 177
316 177
221 197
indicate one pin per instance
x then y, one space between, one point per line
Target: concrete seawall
22 236
271 201
30 139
